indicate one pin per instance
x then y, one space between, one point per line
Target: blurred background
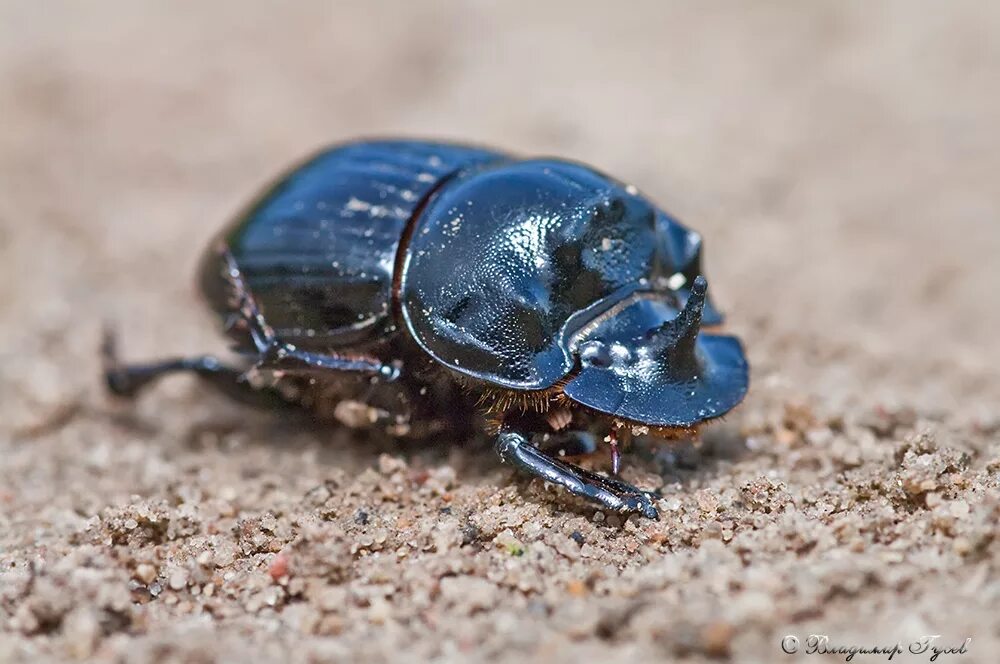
840 158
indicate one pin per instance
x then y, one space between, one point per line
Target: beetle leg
126 380
284 358
514 447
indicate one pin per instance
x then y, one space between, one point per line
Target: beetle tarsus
613 494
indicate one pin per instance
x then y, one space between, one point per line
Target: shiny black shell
496 267
510 259
318 247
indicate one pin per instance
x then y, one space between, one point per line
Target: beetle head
647 362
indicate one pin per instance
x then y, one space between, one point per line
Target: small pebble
278 567
145 573
178 580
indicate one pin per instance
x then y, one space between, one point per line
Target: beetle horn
677 337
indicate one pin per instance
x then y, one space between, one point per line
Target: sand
841 161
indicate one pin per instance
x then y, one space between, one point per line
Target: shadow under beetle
413 286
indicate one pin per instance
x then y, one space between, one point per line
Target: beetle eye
595 354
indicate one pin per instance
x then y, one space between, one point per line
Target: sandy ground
841 160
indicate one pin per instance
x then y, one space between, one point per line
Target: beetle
414 286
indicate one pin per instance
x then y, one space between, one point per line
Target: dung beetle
420 288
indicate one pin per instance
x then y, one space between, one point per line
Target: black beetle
411 286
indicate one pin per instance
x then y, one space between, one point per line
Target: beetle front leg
514 447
